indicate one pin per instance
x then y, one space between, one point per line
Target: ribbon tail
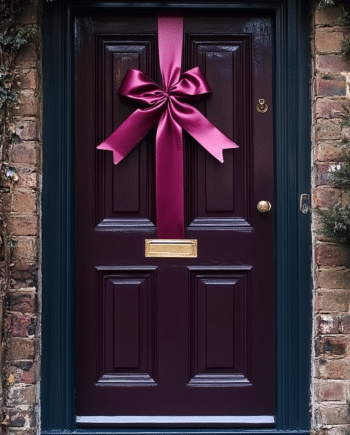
169 179
131 131
201 129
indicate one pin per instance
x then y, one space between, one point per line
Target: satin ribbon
167 106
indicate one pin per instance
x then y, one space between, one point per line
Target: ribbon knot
168 107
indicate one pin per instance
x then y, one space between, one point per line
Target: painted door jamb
293 251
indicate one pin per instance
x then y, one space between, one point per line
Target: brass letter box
176 248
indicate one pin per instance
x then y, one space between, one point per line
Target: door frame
293 230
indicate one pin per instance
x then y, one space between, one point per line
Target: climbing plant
14 39
335 221
344 20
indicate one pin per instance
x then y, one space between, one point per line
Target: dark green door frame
293 251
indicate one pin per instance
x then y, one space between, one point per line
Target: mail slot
176 248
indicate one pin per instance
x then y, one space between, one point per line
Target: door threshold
177 419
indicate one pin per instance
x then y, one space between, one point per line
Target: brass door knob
264 206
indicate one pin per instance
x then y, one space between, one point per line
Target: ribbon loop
139 87
192 85
166 105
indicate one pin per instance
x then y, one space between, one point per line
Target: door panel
115 55
176 341
225 61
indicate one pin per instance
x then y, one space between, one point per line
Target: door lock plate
304 203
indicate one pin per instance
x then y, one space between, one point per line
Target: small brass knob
264 206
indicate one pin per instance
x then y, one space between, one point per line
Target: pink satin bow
168 108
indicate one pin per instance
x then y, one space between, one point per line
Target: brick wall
331 364
21 201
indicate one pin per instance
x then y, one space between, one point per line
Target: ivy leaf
323 4
11 243
345 46
8 97
13 42
15 138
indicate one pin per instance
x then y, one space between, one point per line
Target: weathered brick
22 348
327 324
345 324
25 253
331 254
23 225
28 58
328 129
331 391
330 85
22 301
328 17
331 347
24 202
332 63
28 178
335 430
326 196
333 414
345 133
22 372
6 202
22 278
28 14
27 130
332 369
323 174
327 108
22 325
20 396
328 42
20 419
28 104
333 278
28 79
328 152
333 301
14 431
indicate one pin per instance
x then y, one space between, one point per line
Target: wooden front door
164 341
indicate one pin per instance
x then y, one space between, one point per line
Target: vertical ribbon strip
167 106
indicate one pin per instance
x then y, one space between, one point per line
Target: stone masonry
21 201
331 98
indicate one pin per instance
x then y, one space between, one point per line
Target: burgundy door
163 341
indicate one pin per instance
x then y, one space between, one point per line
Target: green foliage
12 41
341 177
11 243
344 20
8 96
335 223
323 4
15 138
345 47
346 123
